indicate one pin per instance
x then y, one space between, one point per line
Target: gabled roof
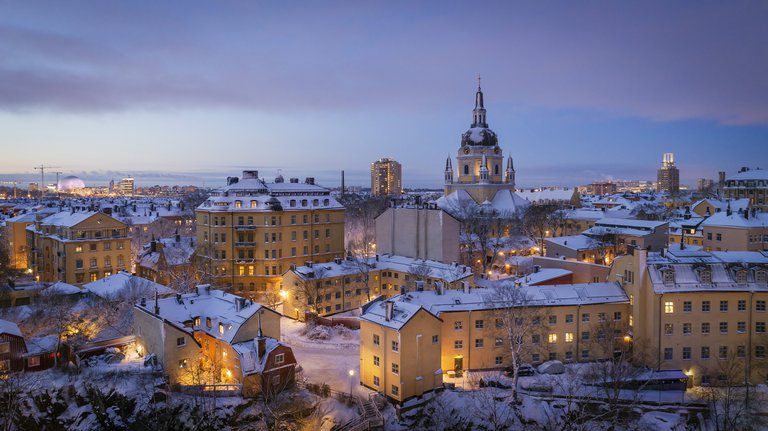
9 328
125 285
221 307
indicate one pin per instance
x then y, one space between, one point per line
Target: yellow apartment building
409 341
743 230
749 184
206 337
698 311
346 284
77 247
15 233
251 231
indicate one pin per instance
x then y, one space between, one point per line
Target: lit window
669 307
569 337
183 363
221 328
553 338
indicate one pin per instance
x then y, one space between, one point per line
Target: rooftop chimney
389 310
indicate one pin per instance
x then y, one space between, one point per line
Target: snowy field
326 354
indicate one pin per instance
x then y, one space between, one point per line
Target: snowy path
327 361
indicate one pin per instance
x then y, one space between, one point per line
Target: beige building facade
251 231
424 232
77 247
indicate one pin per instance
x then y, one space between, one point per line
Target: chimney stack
389 310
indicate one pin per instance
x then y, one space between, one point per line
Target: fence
219 390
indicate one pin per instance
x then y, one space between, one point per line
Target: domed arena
70 183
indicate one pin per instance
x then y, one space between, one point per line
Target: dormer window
254 204
761 276
669 276
238 204
741 276
221 328
705 276
208 323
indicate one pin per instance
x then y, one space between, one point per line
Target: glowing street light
351 382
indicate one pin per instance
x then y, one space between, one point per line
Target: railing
216 390
245 244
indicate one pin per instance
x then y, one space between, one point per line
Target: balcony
245 244
245 227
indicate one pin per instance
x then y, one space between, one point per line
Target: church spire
448 171
510 172
478 114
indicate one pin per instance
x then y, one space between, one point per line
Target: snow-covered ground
326 360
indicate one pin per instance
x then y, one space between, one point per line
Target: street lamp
351 382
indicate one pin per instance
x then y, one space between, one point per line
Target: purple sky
181 92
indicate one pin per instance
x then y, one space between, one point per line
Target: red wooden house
268 366
12 347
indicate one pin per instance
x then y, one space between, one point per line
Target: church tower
480 159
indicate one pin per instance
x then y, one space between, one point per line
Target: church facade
481 171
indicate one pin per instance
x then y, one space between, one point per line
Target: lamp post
351 382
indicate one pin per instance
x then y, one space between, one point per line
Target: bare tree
14 388
418 272
309 290
518 321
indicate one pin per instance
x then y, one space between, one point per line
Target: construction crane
14 186
42 169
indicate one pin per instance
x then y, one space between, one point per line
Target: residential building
621 233
15 230
602 188
345 284
168 261
749 184
697 311
668 176
126 186
386 178
251 231
409 341
213 337
77 247
742 230
424 232
12 347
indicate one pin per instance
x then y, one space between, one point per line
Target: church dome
479 136
70 183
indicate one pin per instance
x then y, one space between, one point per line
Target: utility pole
42 169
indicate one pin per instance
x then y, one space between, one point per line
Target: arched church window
466 169
496 170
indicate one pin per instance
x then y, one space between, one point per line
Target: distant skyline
182 92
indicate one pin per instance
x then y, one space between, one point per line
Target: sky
189 92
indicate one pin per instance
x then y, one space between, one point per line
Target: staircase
370 418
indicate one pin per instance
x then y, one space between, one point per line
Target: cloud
656 60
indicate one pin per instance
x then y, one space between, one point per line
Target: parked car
551 367
523 370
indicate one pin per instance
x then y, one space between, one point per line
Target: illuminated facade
668 176
386 177
77 247
251 231
480 169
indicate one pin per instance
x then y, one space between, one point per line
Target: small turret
510 172
484 170
448 171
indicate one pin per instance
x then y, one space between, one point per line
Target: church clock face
466 150
496 150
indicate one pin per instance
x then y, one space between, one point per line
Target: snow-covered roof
722 204
225 313
542 276
67 218
686 266
505 201
39 345
630 223
736 220
9 328
250 362
486 299
124 285
60 288
446 271
751 174
547 195
575 242
176 252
